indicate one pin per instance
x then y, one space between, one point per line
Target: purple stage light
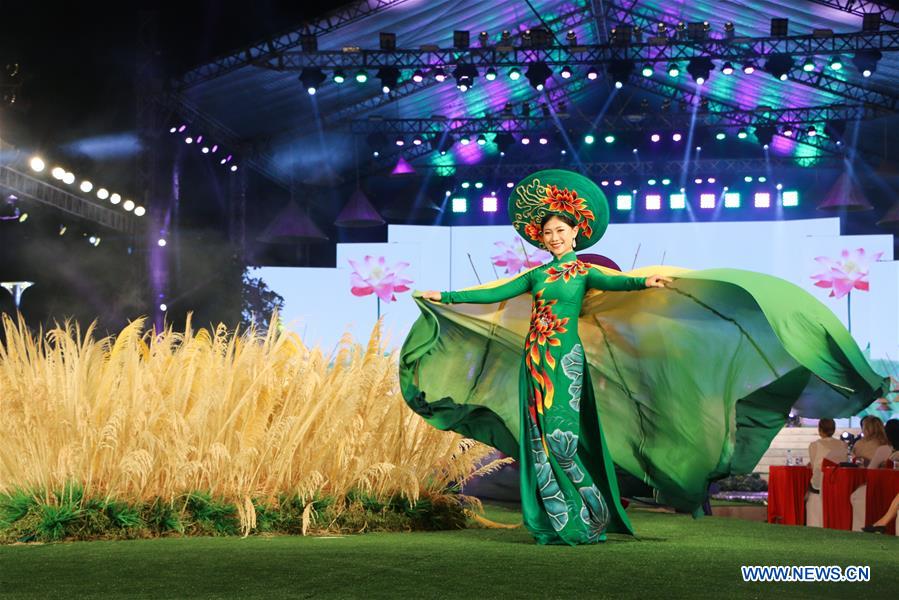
762 200
698 180
182 129
199 139
655 137
188 140
707 201
653 202
676 137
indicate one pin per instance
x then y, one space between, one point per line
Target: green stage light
460 205
732 200
624 202
790 198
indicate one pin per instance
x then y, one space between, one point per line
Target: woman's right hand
431 295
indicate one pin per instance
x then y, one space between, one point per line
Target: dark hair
561 216
827 426
892 429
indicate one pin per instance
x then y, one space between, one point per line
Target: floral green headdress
556 191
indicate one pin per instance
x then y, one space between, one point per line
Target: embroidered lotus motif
567 271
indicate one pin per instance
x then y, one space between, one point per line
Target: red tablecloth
837 485
786 494
883 485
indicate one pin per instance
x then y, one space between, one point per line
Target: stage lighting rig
780 65
537 74
465 75
866 61
700 68
389 77
765 134
312 78
388 41
620 71
504 141
780 27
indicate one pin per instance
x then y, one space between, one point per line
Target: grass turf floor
675 557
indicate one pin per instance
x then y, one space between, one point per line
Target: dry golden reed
144 415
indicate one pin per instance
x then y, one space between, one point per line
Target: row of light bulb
38 165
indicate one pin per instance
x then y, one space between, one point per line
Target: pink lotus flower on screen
847 273
515 257
373 276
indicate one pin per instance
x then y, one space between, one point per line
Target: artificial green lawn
676 557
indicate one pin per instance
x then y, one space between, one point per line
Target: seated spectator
825 447
874 437
874 448
892 430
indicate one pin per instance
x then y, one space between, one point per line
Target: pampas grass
198 420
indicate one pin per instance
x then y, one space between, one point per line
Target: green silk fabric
690 382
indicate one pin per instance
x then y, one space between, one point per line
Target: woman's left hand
657 281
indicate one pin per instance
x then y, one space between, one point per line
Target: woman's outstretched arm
514 287
597 280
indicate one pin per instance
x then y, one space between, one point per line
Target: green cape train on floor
691 382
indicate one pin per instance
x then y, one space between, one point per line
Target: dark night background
78 63
77 69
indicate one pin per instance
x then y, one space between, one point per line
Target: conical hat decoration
559 192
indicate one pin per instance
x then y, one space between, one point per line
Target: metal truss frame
739 117
37 190
272 47
568 20
622 122
257 158
861 7
656 169
648 18
671 50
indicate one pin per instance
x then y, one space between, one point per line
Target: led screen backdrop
847 273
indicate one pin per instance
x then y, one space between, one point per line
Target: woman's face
558 236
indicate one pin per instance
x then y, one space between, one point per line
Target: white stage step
795 439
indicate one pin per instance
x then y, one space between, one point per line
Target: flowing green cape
692 382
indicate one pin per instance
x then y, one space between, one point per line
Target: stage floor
675 557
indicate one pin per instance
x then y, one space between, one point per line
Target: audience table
837 486
786 494
883 485
787 487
